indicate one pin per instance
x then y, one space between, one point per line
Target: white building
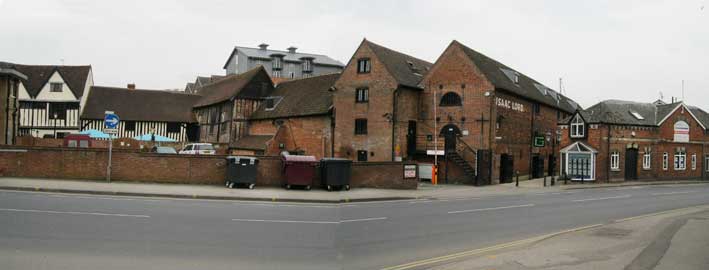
51 98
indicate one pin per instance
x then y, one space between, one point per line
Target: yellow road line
482 250
658 213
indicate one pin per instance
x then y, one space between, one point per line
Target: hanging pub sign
681 131
508 104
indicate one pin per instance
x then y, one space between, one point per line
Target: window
577 127
129 126
364 65
277 63
362 95
694 162
537 108
308 65
271 103
680 161
360 126
637 115
706 163
361 155
276 73
665 161
450 99
58 109
615 161
56 87
647 161
173 127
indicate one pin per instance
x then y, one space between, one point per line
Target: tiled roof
252 142
10 69
318 59
38 75
253 84
140 105
501 76
302 97
406 69
621 112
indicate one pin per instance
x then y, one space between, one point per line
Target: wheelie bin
241 171
299 170
336 173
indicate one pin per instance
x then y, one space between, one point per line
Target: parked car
165 150
198 149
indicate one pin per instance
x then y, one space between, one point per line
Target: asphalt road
61 231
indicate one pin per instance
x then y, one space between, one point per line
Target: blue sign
111 120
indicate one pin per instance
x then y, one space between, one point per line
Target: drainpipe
394 102
7 110
608 155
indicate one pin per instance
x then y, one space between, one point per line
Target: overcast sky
629 50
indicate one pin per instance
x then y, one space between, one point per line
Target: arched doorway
450 134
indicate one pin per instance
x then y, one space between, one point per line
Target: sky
629 50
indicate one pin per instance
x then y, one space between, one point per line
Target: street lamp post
557 140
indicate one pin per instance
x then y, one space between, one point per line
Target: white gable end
47 95
22 93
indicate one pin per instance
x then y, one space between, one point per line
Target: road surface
69 231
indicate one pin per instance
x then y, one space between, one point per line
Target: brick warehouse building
483 107
624 140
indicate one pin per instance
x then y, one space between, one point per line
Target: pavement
424 191
43 230
673 240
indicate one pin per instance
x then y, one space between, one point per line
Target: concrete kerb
204 197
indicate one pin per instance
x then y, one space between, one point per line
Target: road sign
539 141
111 120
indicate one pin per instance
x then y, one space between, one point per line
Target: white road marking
603 198
362 219
308 221
285 221
490 209
673 193
72 213
424 201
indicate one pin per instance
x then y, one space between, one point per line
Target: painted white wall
64 95
87 89
22 93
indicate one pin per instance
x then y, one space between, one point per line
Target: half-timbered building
50 99
226 105
165 113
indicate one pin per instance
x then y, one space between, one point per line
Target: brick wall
312 135
131 166
378 140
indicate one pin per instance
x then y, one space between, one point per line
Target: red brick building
376 104
296 117
473 105
623 140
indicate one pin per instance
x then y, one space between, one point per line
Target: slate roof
236 85
252 142
38 75
140 105
201 81
189 87
10 69
318 59
500 76
302 97
620 112
406 69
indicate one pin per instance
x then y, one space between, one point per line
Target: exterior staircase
468 169
465 157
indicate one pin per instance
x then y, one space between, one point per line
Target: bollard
545 180
517 176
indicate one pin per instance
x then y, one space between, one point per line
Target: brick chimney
131 86
263 46
292 49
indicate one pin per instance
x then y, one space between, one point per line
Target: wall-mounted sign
681 131
508 104
539 141
435 153
465 132
410 171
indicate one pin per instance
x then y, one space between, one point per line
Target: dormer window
364 65
271 103
577 127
